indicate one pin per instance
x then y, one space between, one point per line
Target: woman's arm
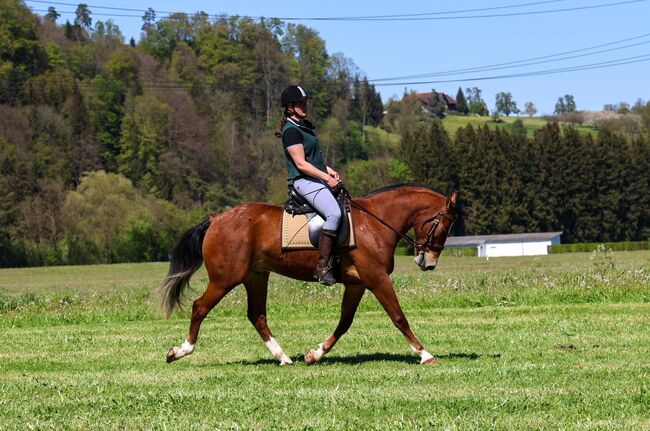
297 153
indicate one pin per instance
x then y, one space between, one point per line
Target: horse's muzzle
420 260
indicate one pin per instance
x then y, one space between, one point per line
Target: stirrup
325 276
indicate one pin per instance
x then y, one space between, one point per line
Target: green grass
454 122
553 342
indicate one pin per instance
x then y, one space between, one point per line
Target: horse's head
431 232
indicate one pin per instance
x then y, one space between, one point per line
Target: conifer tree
461 102
52 15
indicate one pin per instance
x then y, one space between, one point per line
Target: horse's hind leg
256 289
385 294
201 307
351 298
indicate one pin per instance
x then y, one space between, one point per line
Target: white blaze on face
277 352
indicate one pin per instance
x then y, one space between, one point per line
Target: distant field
552 342
453 122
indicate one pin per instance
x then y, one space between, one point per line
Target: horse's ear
452 200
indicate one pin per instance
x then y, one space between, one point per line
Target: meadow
454 122
549 342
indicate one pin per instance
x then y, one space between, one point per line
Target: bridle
427 242
419 245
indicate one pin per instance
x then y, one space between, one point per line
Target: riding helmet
293 94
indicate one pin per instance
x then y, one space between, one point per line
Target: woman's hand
334 178
333 182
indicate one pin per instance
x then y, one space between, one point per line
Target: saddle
302 224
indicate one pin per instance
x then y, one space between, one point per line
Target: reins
417 246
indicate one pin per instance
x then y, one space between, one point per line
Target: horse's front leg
256 289
351 298
383 290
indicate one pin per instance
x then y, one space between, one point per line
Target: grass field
553 342
453 122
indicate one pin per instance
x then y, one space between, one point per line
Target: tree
565 104
426 150
518 128
477 105
308 49
367 106
21 53
530 110
437 105
52 15
106 109
569 103
461 102
143 140
505 104
97 212
82 16
148 20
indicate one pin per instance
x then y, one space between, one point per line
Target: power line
527 62
592 66
345 18
429 16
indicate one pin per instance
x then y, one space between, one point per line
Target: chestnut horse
243 246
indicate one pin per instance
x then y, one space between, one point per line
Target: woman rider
311 177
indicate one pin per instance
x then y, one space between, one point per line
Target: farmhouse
516 244
426 99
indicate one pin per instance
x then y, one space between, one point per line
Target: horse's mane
399 186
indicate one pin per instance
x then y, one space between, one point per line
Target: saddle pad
295 233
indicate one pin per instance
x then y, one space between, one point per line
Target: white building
515 244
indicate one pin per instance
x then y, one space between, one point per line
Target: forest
110 149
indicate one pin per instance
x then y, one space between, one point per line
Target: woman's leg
321 199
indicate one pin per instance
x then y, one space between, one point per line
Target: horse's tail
185 259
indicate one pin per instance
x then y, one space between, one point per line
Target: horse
243 246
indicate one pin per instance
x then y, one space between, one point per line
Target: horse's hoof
286 361
310 358
171 355
431 361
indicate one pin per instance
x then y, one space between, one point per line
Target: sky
503 32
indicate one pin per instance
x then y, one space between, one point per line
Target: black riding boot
323 272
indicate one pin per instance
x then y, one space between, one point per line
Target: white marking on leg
185 349
318 353
424 355
277 352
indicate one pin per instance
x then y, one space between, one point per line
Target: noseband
427 242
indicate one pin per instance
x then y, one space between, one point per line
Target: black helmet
293 94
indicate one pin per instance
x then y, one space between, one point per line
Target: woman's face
301 109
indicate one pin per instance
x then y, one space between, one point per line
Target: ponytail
283 121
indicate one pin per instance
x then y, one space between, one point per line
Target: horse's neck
397 208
